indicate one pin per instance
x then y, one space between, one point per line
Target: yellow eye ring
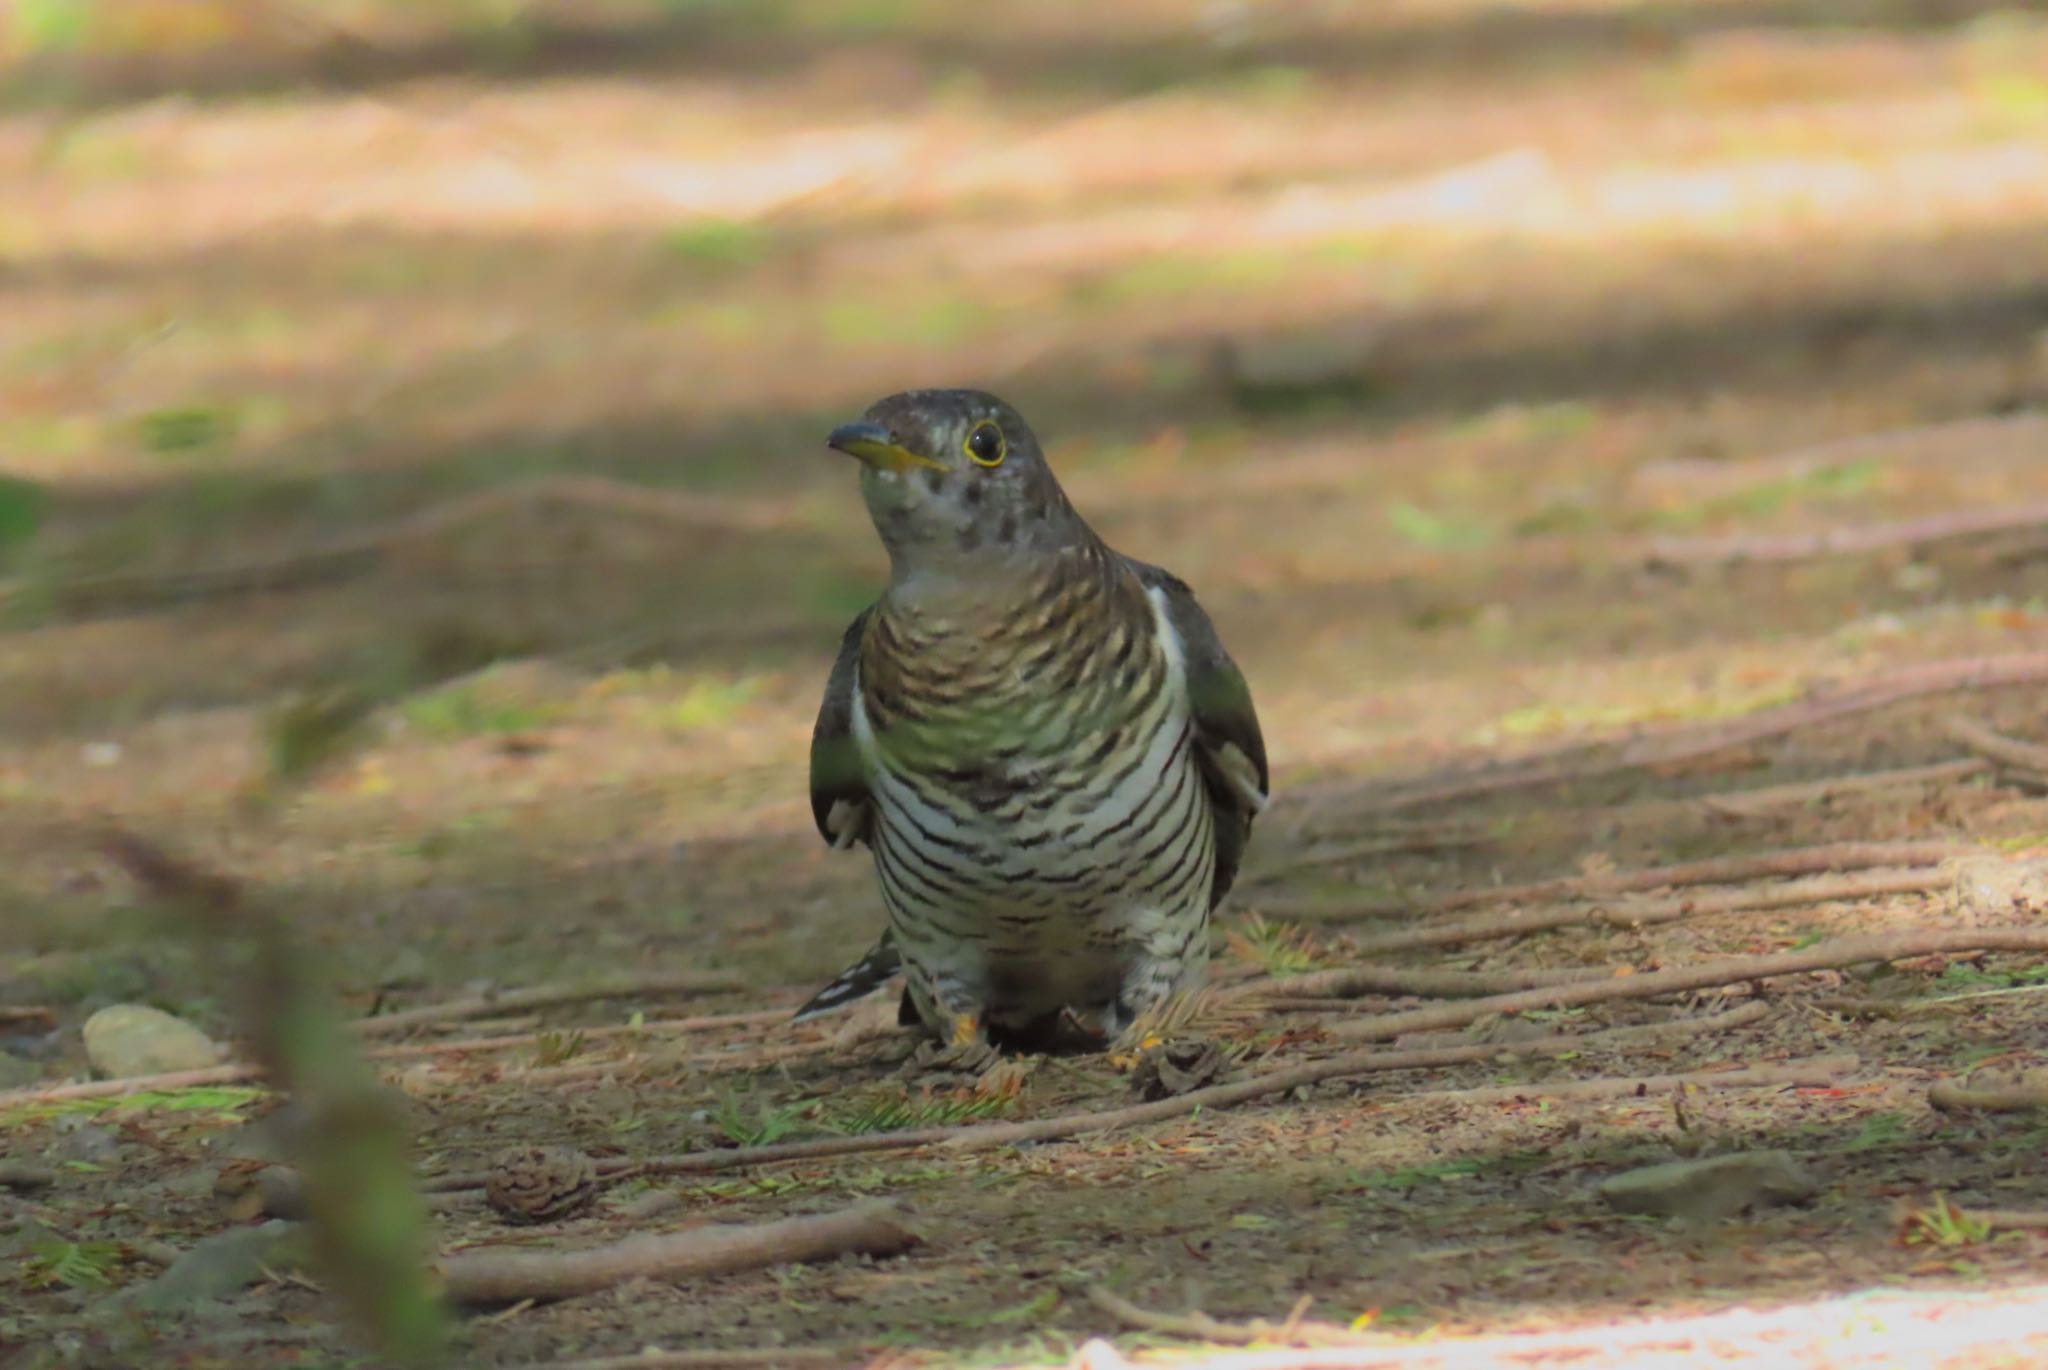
986 446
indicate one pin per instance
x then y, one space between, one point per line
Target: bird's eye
985 445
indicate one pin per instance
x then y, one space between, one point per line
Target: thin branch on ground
1201 1327
653 1027
1858 539
1805 793
133 1084
359 553
2012 1219
551 996
1438 839
1638 913
1949 1097
1818 1070
989 1136
23 1175
2029 757
1724 870
244 1072
1349 982
1581 761
281 1193
655 1359
498 1277
1733 970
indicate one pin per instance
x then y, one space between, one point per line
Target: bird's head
956 483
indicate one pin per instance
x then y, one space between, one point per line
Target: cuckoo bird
1042 742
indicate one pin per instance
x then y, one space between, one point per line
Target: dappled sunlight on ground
412 499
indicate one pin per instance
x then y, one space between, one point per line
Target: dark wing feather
835 759
881 965
1224 718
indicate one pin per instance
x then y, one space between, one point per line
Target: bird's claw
1177 1065
937 1062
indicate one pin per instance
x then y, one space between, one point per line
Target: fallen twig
1732 970
23 1175
1819 1070
1802 793
241 1072
1348 982
358 553
1648 912
280 1192
1724 870
988 1136
550 996
1861 538
133 1084
1389 845
2030 757
652 1027
2012 1219
1201 1327
1950 1097
655 1359
493 1277
1578 761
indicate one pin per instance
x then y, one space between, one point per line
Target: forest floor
412 501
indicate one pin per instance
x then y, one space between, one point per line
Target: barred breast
1042 834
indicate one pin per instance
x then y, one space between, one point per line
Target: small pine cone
1176 1067
537 1184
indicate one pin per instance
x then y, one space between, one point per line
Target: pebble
123 1040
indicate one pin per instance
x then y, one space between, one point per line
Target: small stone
223 1264
534 1184
1711 1189
133 1039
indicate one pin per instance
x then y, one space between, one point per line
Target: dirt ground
412 501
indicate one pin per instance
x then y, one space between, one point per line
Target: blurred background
411 413
413 500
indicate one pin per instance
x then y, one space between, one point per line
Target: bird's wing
840 802
1230 745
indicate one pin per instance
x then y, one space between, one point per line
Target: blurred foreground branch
369 1226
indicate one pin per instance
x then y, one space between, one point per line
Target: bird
1043 744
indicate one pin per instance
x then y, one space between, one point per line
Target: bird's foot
952 1064
963 1056
1165 1067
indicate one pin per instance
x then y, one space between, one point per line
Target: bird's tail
857 981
